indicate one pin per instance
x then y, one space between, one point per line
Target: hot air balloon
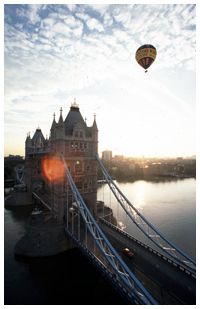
145 55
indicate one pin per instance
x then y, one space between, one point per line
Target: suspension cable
125 203
133 285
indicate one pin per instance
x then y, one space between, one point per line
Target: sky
55 53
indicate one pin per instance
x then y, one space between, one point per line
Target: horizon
126 157
54 53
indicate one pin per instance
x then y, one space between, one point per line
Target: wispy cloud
74 49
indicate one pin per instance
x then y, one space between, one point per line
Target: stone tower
35 149
78 143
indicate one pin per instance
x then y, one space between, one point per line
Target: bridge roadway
165 280
168 283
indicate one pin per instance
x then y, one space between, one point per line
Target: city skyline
54 53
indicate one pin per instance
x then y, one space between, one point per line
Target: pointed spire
28 136
74 105
94 123
54 121
61 118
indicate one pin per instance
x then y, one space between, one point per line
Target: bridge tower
78 144
35 149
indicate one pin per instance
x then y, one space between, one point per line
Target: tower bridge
158 274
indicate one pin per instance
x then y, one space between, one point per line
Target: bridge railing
138 242
145 226
130 282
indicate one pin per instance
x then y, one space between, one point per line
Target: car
128 253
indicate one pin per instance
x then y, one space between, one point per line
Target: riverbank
151 178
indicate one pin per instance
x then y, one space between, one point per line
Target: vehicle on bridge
128 253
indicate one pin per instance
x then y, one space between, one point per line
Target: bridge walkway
165 280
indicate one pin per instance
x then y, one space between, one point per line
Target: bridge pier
43 238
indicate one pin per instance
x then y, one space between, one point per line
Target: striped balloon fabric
145 55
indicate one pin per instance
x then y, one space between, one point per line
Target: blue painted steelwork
128 280
129 237
97 262
36 197
141 222
19 171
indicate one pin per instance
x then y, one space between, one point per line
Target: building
118 158
35 149
107 155
78 144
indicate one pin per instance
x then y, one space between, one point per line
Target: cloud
48 22
101 9
32 13
94 24
76 50
123 17
107 20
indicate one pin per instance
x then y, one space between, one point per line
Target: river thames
169 205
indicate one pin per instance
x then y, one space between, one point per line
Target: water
169 206
67 278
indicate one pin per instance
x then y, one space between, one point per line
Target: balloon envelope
145 55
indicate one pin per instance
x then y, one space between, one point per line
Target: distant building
107 155
132 167
78 143
119 158
13 157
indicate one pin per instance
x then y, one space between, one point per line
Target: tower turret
53 127
95 135
60 130
60 121
27 143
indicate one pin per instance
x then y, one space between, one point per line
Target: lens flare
53 169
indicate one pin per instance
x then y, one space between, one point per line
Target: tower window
79 185
85 186
76 145
78 167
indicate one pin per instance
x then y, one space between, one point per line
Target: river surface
170 206
65 279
